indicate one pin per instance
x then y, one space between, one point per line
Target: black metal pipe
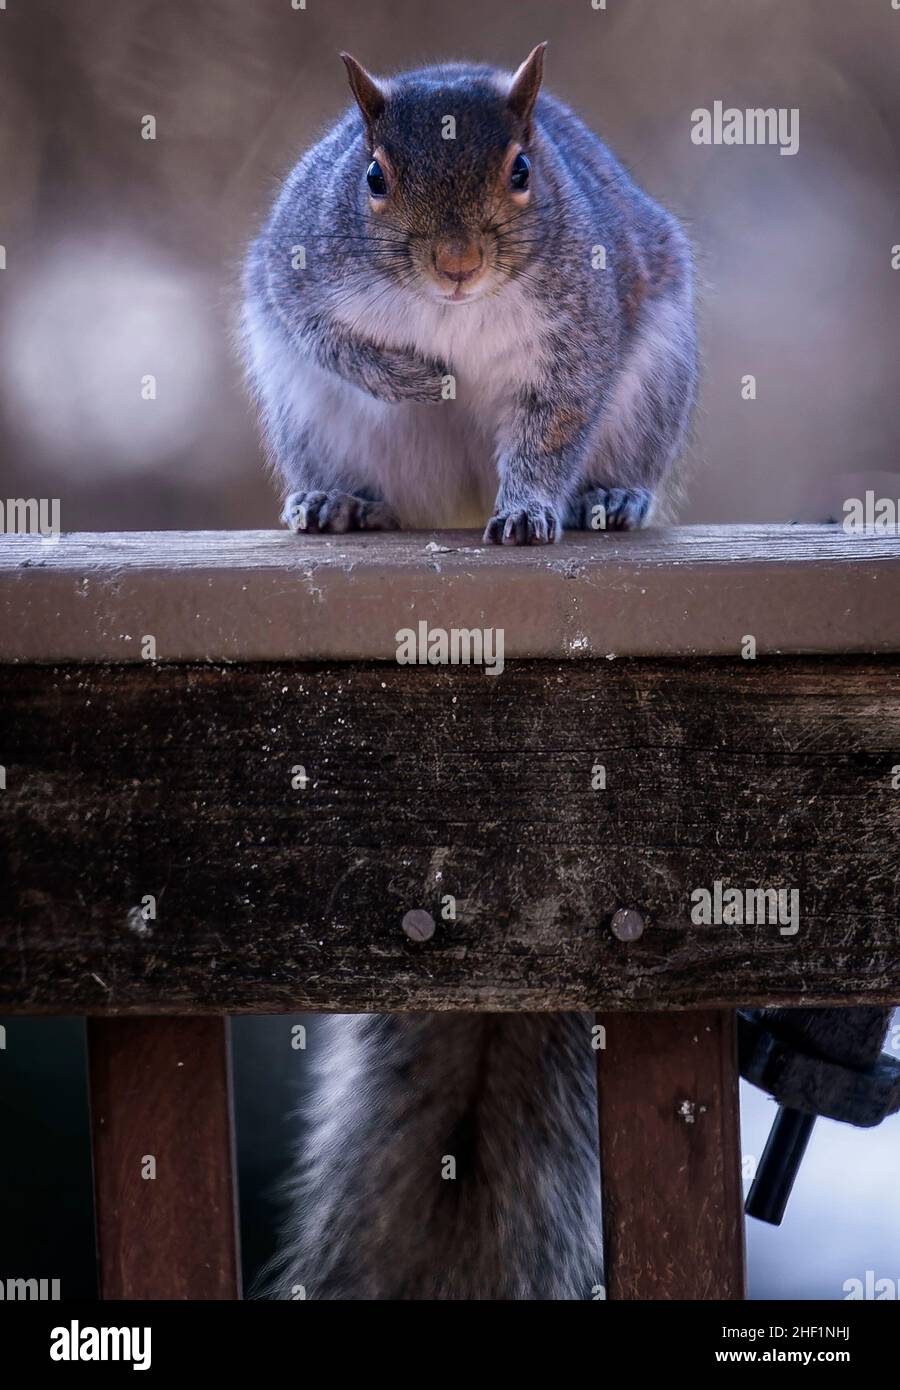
785 1147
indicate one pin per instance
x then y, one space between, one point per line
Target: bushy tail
449 1156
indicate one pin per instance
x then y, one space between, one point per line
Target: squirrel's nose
457 258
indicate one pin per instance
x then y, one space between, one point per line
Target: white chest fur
435 464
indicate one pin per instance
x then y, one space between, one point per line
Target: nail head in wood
627 924
418 925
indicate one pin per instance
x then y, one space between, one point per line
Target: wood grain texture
670 1156
270 596
176 782
160 1089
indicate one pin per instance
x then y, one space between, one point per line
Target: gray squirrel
462 311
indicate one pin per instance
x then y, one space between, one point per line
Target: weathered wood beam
176 788
163 1185
271 596
670 1156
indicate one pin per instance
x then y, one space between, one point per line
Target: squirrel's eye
519 173
376 181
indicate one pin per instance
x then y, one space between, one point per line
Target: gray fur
568 377
512 1097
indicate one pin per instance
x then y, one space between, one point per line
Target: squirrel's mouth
464 291
461 295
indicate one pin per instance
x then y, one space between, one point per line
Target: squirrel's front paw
409 377
531 523
336 511
610 509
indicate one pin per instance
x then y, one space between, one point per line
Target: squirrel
462 311
497 324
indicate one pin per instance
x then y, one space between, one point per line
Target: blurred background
122 253
120 259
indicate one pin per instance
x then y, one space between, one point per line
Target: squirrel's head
448 181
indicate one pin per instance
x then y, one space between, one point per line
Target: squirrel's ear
525 86
369 96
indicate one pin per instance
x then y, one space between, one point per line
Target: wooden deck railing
224 794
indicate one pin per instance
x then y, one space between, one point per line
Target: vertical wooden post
670 1156
160 1091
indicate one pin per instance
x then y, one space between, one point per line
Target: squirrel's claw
336 512
610 508
532 525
